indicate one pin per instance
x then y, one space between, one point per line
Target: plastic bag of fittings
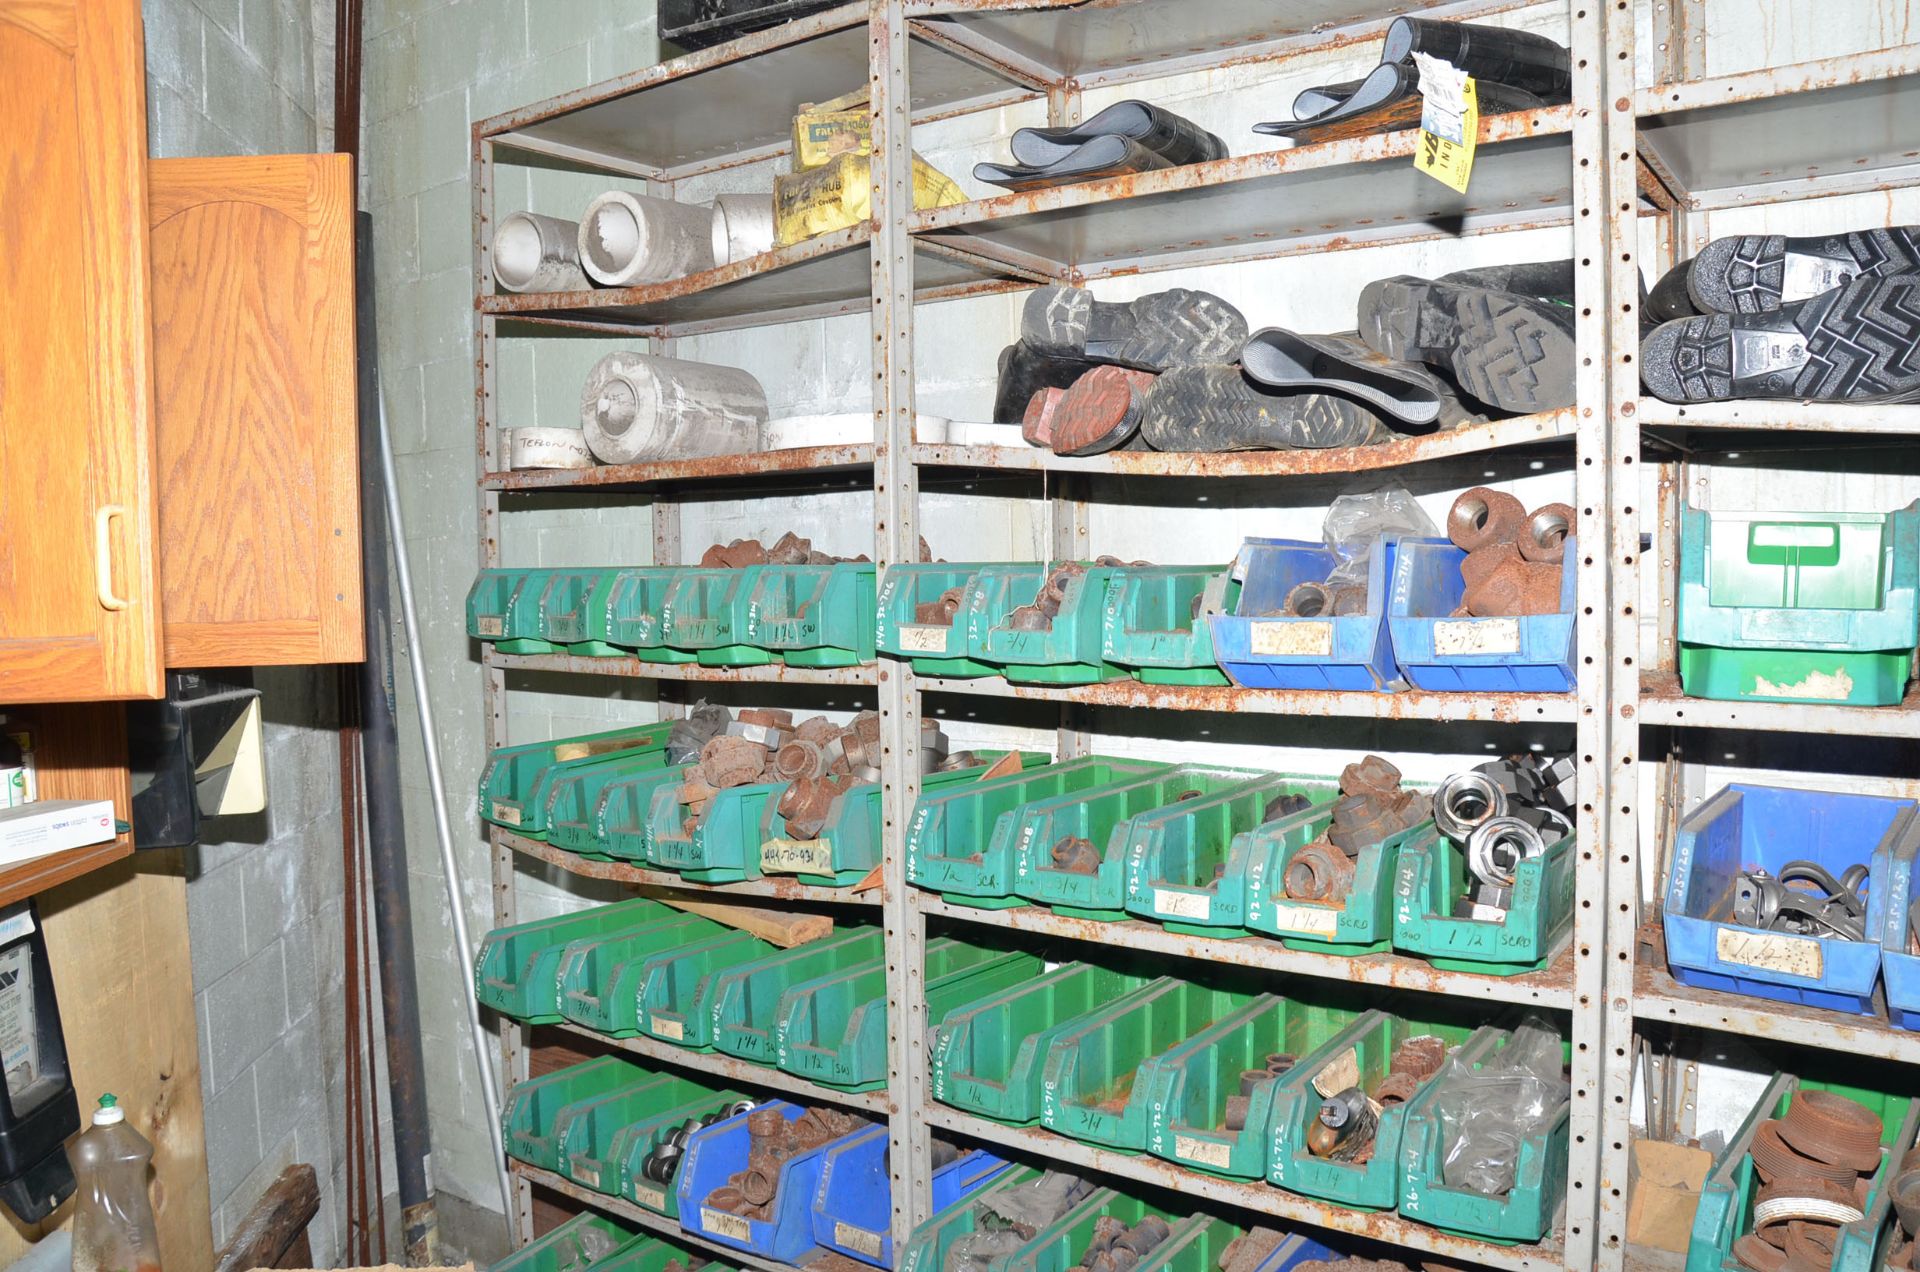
699 727
1485 1113
1008 1218
1355 521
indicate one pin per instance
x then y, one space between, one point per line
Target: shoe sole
1760 273
1210 409
1858 343
1100 412
1175 328
1501 348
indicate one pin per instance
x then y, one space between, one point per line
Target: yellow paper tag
796 856
1451 162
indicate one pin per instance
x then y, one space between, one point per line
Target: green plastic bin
961 840
706 612
1060 1245
1432 876
723 845
652 1254
517 969
531 1125
1195 1245
988 1056
1360 923
566 612
669 998
634 1142
1186 865
503 609
627 612
1068 653
577 800
1187 1087
586 1240
517 783
600 975
623 811
814 615
1527 1213
1356 1056
926 1250
587 1132
1725 1211
744 1001
1103 816
933 649
834 1030
1093 1089
1155 622
1814 607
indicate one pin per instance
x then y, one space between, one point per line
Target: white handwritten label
1317 920
586 1174
651 1198
505 812
1794 955
796 856
669 1029
490 625
1476 636
1339 1073
1206 1152
923 640
1183 905
856 1239
1291 639
722 1224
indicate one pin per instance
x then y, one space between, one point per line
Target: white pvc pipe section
742 227
534 253
628 239
450 868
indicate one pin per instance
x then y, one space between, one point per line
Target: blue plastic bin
1532 653
1259 647
716 1152
853 1205
1901 968
1768 826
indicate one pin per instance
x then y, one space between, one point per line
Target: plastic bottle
113 1228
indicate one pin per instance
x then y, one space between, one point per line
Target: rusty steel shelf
775 887
734 1069
1552 987
1258 1197
1659 997
1797 417
1499 708
799 461
768 674
1661 702
1322 197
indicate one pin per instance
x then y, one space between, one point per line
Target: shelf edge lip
1726 1012
1767 84
735 1069
1783 415
865 674
798 461
783 887
1662 703
1496 708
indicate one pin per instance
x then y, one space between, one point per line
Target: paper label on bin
1183 905
796 856
1206 1152
670 1029
722 1224
505 812
1339 1073
651 1198
1293 640
857 1239
1476 636
490 625
1315 919
923 640
1793 955
587 1175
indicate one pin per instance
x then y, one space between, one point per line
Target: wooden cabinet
258 472
79 602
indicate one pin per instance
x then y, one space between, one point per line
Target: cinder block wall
264 897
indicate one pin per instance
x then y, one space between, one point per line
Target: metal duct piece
629 239
534 253
742 226
637 408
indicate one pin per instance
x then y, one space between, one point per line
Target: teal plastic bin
1799 606
623 811
633 1143
1360 923
723 844
532 1123
1067 653
932 649
1156 626
1063 1243
745 1001
653 1254
576 805
926 1250
814 615
566 612
961 840
706 612
588 1131
600 976
1187 864
1187 1087
516 971
517 783
988 1056
627 612
503 609
1195 1245
670 998
586 1240
1432 876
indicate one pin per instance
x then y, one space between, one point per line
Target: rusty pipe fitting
1483 516
1371 775
1545 537
1318 872
1308 600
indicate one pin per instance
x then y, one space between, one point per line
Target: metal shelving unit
1619 152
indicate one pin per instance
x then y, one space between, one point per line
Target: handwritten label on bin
1314 919
1794 955
923 640
857 1239
505 812
490 625
722 1224
1206 1152
651 1198
670 1029
1183 905
1291 640
796 856
1476 636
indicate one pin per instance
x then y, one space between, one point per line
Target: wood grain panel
255 402
76 443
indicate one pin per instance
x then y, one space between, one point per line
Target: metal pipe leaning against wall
636 408
629 239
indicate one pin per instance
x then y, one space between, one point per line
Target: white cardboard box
53 825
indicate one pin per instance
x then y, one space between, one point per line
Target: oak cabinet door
79 602
256 418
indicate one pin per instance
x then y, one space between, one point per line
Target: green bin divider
1362 923
1060 1245
926 1250
517 783
627 613
1194 1245
1187 864
633 1143
671 986
960 841
814 615
1066 653
503 609
516 970
1091 1089
530 1123
1356 1056
745 1000
988 1056
933 649
1103 817
1431 877
597 973
1527 1212
575 806
706 612
1187 1087
1155 621
621 814
722 845
566 609
584 1241
585 1131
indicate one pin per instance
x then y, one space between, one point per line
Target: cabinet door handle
103 555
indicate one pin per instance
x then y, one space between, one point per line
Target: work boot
1100 412
1759 273
1217 407
1024 371
1510 349
1174 328
1492 55
1288 361
1127 137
